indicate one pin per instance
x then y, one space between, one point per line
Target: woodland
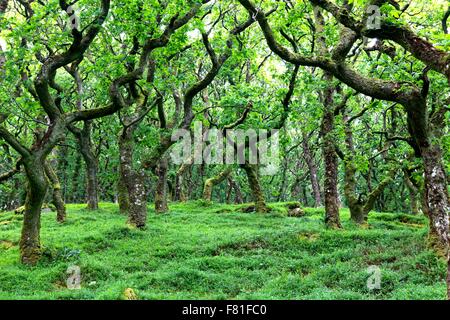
352 201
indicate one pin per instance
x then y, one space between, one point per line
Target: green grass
208 251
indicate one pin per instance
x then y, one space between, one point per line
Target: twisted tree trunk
359 207
57 198
211 182
238 199
255 186
30 246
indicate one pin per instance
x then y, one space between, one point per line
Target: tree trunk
331 195
312 171
357 214
255 186
161 187
91 162
122 193
75 179
211 182
62 170
332 219
281 191
134 182
437 203
30 246
57 198
355 204
369 204
413 191
359 207
238 199
92 182
436 196
180 194
137 211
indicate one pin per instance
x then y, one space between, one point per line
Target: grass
209 251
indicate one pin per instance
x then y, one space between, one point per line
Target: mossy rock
293 205
129 294
295 209
296 212
5 244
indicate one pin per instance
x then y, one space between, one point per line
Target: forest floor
202 251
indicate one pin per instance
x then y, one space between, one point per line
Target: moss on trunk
30 246
213 181
57 198
161 187
255 186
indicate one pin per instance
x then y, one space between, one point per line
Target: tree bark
30 246
413 191
281 191
238 199
377 192
211 182
57 198
331 195
180 194
62 169
122 193
137 211
255 186
161 187
355 203
133 180
436 196
312 171
85 146
76 179
359 205
92 184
